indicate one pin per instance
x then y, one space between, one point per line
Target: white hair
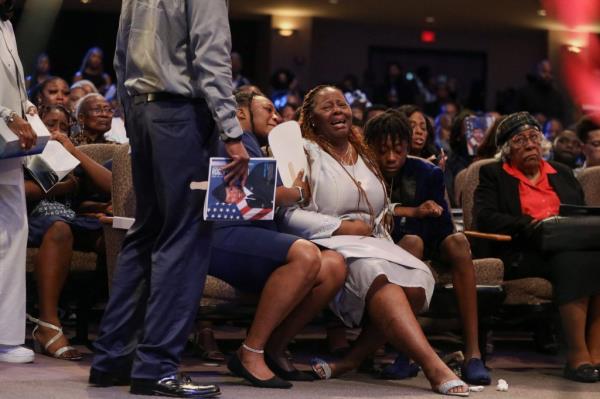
84 82
83 99
505 152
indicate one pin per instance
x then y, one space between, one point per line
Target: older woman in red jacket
512 196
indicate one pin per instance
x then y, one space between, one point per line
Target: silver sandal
37 346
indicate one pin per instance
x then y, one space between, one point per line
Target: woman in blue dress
294 277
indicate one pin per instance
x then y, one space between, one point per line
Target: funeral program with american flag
254 201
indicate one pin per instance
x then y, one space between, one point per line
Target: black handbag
568 233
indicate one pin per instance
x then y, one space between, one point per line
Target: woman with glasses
61 220
513 195
588 131
93 114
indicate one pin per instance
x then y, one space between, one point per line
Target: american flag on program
222 211
249 213
257 205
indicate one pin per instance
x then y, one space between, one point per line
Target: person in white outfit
348 213
13 214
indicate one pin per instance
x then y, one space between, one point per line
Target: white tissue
502 386
476 388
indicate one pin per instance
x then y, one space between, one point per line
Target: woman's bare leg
330 280
369 340
285 288
593 330
574 316
457 251
413 244
52 266
393 320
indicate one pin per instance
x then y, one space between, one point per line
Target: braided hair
392 124
46 109
244 100
307 126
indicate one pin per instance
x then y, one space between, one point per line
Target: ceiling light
285 32
333 1
541 12
574 49
430 19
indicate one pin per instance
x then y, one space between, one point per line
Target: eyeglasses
566 141
595 144
100 111
521 140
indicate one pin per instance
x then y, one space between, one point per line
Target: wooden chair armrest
106 220
487 236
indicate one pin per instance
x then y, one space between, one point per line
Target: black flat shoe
173 386
294 375
102 379
236 367
583 373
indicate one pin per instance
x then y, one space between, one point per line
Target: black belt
163 96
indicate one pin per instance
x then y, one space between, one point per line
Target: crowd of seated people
61 220
513 195
422 221
66 218
376 172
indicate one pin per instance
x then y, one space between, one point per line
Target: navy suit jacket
419 181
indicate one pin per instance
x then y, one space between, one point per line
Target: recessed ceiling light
430 19
333 1
541 12
86 1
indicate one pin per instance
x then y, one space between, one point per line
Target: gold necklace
348 156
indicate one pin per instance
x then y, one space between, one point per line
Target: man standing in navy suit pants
174 80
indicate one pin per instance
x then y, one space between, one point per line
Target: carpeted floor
529 375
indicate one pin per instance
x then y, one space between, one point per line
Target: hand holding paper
22 137
286 143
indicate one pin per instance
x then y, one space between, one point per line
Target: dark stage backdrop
469 68
74 32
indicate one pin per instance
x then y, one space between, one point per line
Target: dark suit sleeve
437 192
260 182
489 215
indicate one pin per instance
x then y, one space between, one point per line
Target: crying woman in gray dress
348 212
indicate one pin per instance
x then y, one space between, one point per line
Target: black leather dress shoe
583 373
174 387
103 379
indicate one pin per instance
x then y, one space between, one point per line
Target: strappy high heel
37 345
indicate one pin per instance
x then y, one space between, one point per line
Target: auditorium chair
528 301
220 300
83 264
589 178
459 184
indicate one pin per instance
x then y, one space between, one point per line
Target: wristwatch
301 191
10 118
227 139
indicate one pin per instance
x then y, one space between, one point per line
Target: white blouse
335 198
